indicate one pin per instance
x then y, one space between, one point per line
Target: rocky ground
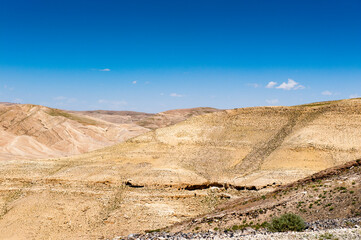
347 228
339 233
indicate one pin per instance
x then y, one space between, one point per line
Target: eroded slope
242 147
142 183
334 193
31 131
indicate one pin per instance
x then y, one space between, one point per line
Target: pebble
347 229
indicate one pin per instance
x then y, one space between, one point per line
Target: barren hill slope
31 131
171 117
334 193
118 117
148 120
243 147
166 176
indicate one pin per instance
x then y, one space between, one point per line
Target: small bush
327 236
235 227
287 222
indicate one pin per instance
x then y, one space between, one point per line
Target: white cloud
272 101
355 96
18 100
271 84
290 85
327 93
105 70
59 98
8 88
111 102
134 82
176 95
62 100
255 85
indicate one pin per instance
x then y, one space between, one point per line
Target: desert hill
334 193
148 120
170 174
31 131
118 117
171 117
243 147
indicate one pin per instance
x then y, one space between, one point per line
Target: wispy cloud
327 93
271 84
254 85
59 98
272 101
355 96
176 95
112 102
8 88
18 100
134 82
290 85
62 100
105 70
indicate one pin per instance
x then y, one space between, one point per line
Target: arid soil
250 147
171 117
32 131
118 117
147 120
334 193
179 172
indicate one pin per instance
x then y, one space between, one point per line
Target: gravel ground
326 229
339 233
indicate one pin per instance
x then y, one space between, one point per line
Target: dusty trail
297 119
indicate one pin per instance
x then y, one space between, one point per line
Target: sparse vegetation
83 120
287 222
327 236
211 200
113 203
8 199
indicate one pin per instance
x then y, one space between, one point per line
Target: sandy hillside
334 193
171 117
31 131
243 147
148 120
118 117
167 175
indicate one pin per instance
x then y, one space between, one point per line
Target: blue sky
158 55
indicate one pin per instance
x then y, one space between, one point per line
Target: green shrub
287 222
235 227
327 236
